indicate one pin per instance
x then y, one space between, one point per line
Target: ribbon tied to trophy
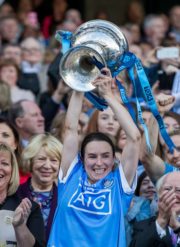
97 44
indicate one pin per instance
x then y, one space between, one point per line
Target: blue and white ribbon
130 62
64 37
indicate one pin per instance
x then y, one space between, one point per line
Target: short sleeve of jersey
73 172
126 187
74 165
168 168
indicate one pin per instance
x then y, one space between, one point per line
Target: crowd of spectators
40 114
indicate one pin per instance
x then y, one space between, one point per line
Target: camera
167 53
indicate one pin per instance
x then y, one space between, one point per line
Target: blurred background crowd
28 45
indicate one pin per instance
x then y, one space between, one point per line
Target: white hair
148 21
160 183
31 40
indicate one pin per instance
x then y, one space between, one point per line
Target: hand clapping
22 213
174 219
166 201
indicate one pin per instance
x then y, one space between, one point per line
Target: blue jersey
170 168
90 215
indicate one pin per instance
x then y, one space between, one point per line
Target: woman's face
44 169
146 116
107 122
5 170
147 189
173 158
98 160
9 75
7 136
171 124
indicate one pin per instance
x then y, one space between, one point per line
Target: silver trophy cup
97 39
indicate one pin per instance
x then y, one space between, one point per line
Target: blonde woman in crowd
42 159
21 222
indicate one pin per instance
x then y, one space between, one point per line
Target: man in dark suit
163 230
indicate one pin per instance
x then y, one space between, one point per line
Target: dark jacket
49 110
145 235
29 81
24 191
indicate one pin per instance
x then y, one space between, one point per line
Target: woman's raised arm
130 154
71 140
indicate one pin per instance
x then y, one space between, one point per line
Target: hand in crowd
164 102
62 87
61 90
166 201
22 213
174 222
171 65
170 69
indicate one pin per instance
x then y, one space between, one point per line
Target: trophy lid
103 36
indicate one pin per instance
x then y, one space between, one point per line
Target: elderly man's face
172 183
32 122
31 52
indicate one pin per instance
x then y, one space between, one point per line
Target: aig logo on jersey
94 202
